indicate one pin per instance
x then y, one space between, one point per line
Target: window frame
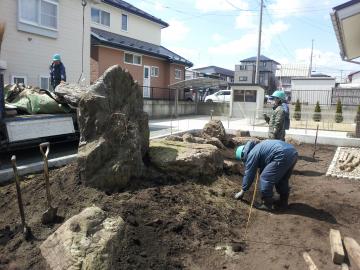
243 67
45 77
100 17
180 73
38 24
127 22
20 77
241 78
158 71
133 54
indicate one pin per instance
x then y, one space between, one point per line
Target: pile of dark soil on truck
178 225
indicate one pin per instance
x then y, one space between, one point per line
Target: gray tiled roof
262 58
101 37
132 9
216 70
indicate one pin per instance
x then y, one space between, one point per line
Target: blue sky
222 32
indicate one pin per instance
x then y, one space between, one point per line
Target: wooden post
317 131
337 250
353 251
309 261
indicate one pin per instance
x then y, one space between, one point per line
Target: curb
8 174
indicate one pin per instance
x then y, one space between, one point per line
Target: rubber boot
282 203
266 204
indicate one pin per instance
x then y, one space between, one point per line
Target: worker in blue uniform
275 159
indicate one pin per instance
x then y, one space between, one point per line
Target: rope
251 206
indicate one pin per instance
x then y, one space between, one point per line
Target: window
243 78
45 82
243 67
264 64
42 13
154 72
245 95
19 79
177 73
134 59
100 16
124 22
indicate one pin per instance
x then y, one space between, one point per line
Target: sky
223 32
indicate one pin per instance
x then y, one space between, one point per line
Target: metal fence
159 93
348 97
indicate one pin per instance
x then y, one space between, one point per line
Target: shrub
338 115
317 113
297 113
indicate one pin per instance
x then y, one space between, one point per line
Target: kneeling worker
276 160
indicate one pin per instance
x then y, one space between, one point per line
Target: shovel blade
49 216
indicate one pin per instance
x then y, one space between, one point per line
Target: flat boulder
237 141
214 128
70 93
88 240
182 159
114 131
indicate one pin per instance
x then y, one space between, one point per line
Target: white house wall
30 54
136 25
356 78
312 90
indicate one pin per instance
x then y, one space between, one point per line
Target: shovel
26 229
49 216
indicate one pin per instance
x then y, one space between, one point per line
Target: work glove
239 195
267 118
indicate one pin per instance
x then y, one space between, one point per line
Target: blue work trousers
277 173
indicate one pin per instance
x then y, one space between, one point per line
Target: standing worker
57 71
276 160
277 120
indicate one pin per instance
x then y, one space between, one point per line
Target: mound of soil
178 225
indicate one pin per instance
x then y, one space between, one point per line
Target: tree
317 113
297 113
338 115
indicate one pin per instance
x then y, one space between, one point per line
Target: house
286 72
310 90
245 72
35 30
127 36
218 72
354 77
346 19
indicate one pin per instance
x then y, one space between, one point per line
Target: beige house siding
29 54
136 25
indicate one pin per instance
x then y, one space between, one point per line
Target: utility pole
311 57
259 44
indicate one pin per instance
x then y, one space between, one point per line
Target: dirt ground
177 225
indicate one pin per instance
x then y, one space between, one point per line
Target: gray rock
88 240
174 138
233 167
216 142
188 137
114 131
237 141
70 93
214 128
198 161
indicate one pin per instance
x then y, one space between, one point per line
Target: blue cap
239 152
56 57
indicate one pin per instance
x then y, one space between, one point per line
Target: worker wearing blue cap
57 71
275 159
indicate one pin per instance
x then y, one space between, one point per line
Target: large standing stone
192 160
114 131
214 128
88 240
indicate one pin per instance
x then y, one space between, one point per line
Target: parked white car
220 96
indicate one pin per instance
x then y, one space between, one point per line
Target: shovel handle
18 191
46 152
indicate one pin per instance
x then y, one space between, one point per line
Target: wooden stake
309 261
337 250
353 251
317 131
